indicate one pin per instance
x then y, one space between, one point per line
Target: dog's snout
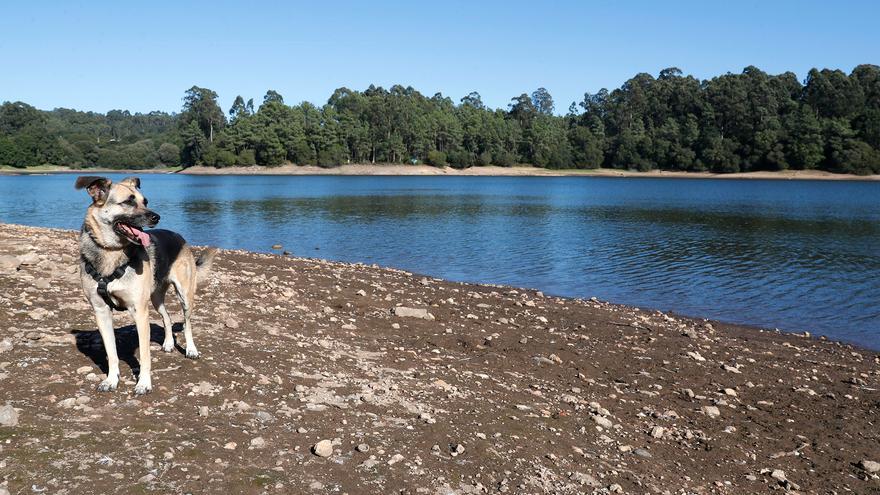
153 217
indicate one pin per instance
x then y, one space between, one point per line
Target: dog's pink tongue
142 236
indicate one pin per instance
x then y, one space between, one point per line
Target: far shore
427 170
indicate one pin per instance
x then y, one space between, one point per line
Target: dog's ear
132 181
98 187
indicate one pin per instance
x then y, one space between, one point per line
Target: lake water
795 255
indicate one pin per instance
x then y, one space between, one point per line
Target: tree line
730 123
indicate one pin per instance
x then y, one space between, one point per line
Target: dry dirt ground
467 389
392 169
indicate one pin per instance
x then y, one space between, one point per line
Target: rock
658 431
870 466
6 345
602 421
147 478
67 403
362 447
583 479
277 246
41 283
457 449
203 388
404 312
778 475
9 264
362 293
83 369
711 411
258 442
324 448
395 459
696 356
732 369
230 446
29 258
263 417
643 453
38 314
231 323
203 411
8 416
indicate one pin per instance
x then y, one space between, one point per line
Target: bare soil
420 170
499 390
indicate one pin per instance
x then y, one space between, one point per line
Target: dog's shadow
90 343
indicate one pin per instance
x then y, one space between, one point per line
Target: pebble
258 442
395 459
602 421
403 311
658 431
711 411
324 448
643 453
231 323
147 478
8 416
362 447
870 466
8 263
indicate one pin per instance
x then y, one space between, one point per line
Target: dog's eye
131 201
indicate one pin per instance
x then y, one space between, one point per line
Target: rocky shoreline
324 377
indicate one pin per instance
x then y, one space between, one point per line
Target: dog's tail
204 261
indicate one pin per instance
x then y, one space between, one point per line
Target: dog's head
118 212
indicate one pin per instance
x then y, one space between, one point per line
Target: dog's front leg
104 319
142 322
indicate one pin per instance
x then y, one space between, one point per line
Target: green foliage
436 158
730 123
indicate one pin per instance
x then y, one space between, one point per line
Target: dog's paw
168 346
108 385
143 388
192 353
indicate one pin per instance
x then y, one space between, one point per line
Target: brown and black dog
124 266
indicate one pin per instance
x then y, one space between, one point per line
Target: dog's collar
104 281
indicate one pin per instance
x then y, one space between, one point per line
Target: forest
730 123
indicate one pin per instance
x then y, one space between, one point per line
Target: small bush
436 158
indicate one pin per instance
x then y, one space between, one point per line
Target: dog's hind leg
104 319
186 292
158 300
142 322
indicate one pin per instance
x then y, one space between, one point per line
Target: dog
124 267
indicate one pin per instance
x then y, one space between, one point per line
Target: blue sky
142 56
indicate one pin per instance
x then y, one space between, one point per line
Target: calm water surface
796 255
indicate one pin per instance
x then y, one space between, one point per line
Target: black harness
104 281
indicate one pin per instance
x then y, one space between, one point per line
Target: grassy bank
474 389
